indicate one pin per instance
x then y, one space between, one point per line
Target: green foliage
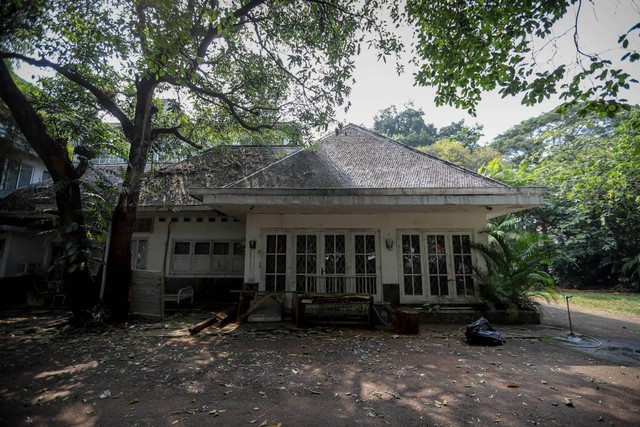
631 266
595 197
458 154
516 267
592 175
532 139
460 132
449 150
520 176
211 70
408 126
466 47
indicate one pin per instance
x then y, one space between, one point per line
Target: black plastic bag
480 332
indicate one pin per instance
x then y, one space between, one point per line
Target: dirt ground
155 374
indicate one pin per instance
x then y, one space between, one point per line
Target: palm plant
516 268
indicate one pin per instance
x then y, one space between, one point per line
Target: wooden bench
182 295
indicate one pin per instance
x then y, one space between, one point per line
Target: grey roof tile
216 167
358 158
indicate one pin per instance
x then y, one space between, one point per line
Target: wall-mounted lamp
252 244
389 243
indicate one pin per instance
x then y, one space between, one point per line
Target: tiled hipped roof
355 157
216 167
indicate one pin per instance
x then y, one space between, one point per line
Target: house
355 212
29 241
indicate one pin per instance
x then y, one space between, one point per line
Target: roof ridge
224 146
231 184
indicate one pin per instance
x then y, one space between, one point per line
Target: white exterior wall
386 226
185 231
24 247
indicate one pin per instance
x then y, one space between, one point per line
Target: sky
378 86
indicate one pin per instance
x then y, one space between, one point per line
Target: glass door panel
437 260
412 264
276 262
463 265
366 271
306 263
335 262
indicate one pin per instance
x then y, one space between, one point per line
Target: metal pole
569 313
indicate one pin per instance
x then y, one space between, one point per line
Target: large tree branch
52 153
213 33
155 133
101 96
232 108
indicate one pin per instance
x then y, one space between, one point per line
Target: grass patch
607 301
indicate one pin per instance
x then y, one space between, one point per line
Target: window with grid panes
276 262
335 267
139 254
365 263
412 264
306 262
437 260
201 248
238 248
220 248
201 259
181 261
181 248
462 264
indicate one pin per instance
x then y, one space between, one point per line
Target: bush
516 270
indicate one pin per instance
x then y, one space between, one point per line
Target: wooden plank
256 305
147 293
220 319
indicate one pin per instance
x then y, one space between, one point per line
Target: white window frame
291 235
426 296
139 262
207 265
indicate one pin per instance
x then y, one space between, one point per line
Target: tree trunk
118 271
77 277
80 287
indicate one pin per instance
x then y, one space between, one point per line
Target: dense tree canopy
408 126
591 210
456 153
533 138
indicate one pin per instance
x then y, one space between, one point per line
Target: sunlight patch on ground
73 369
77 414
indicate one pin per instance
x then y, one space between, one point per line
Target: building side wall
22 248
205 226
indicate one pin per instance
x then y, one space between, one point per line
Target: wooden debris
220 319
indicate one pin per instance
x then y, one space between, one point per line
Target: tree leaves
467 48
